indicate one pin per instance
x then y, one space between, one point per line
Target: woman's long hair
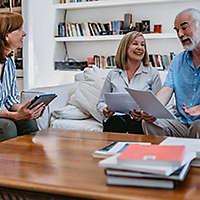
9 22
121 56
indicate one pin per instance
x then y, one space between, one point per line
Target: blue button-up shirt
8 91
184 78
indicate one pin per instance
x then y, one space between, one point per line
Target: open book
148 102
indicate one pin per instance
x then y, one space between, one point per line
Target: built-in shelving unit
99 44
43 47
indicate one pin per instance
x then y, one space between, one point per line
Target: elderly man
183 79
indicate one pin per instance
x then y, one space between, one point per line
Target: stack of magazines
145 165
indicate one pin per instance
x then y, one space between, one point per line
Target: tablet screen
45 98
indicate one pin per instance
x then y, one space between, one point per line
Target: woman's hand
24 113
193 111
107 113
147 117
136 114
140 114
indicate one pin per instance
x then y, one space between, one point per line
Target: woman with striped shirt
15 118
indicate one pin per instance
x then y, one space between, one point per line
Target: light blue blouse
145 78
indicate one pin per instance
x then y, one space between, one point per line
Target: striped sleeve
10 86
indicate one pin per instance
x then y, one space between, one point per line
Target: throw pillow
88 91
69 112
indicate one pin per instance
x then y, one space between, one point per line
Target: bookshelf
73 10
70 11
44 33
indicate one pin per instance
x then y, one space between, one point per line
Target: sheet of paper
120 102
150 104
192 148
191 144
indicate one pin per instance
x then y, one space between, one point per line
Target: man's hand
107 112
193 111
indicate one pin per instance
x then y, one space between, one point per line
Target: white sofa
75 106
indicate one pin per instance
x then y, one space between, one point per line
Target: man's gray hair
194 12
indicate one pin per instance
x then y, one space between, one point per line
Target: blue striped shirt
8 90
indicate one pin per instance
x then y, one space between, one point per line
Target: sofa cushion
88 91
86 125
69 112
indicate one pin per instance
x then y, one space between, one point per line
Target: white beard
195 40
190 47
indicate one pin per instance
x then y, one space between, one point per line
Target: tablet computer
148 102
45 98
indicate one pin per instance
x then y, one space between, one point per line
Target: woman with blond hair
16 119
132 71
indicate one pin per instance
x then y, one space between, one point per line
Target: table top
59 162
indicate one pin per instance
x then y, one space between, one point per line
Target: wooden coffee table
56 164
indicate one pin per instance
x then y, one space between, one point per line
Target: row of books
72 1
6 3
147 165
114 27
161 62
69 29
102 61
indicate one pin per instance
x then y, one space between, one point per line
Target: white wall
39 45
40 48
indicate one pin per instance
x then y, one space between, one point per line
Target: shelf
14 9
113 37
19 73
108 3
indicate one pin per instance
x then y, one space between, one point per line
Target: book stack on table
148 166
